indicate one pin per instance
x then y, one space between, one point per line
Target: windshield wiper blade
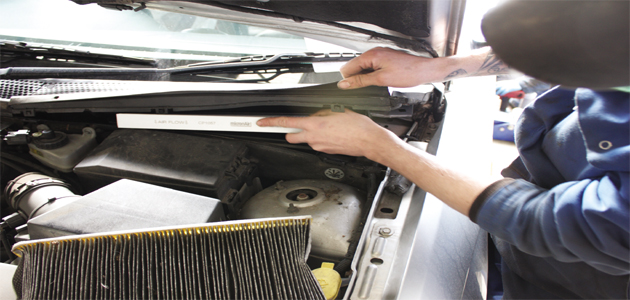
258 60
291 62
14 50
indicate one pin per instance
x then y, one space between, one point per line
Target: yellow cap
328 279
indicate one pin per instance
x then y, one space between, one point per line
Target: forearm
584 220
481 62
458 190
329 132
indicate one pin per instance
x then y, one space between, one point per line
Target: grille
70 87
253 259
10 88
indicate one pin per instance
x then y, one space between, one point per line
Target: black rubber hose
76 186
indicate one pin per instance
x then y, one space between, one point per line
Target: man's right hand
387 67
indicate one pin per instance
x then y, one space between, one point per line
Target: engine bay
67 173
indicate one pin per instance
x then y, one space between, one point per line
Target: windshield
145 33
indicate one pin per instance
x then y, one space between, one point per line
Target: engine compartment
250 179
174 177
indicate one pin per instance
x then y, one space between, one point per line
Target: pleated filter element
248 259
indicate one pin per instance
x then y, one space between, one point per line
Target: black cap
573 43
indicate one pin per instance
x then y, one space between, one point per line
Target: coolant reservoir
62 151
328 279
334 207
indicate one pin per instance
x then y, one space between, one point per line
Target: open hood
425 27
161 98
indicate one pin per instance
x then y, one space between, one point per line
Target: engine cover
334 207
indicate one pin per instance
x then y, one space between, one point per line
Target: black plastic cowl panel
205 166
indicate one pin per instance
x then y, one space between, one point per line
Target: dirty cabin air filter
247 259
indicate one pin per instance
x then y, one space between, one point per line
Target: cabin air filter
247 259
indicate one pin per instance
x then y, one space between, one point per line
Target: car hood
424 27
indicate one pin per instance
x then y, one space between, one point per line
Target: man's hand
387 67
347 133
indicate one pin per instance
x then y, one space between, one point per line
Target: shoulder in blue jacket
574 210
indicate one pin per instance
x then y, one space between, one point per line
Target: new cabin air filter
247 259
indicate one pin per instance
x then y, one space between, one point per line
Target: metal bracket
337 108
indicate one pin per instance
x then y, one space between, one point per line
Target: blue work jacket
563 228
